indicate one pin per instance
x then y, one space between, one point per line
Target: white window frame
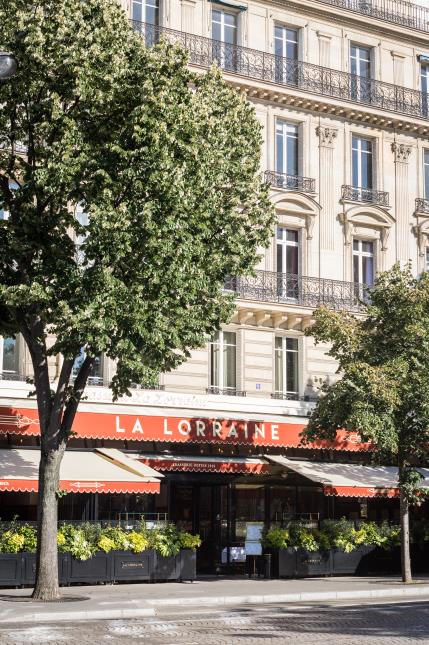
287 131
221 344
2 370
284 40
359 60
360 254
144 4
284 243
361 152
284 351
222 23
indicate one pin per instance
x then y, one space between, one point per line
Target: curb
205 601
91 614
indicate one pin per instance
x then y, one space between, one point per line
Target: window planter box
132 566
10 569
188 564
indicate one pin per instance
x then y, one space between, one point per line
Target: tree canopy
164 161
383 366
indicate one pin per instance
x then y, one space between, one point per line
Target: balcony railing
322 81
270 286
422 205
398 12
366 195
292 396
290 182
229 391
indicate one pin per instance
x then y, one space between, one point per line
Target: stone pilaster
327 136
401 154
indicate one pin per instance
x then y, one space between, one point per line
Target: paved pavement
336 624
147 600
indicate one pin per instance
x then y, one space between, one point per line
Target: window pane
214 365
280 263
229 338
426 172
229 366
9 355
137 11
355 245
367 270
356 268
292 155
278 342
292 371
355 168
278 367
367 247
292 236
292 344
292 260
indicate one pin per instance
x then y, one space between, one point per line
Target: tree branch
78 389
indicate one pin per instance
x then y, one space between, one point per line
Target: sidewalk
141 600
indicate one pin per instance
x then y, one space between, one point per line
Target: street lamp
8 65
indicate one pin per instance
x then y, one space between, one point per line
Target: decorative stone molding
401 152
371 217
326 135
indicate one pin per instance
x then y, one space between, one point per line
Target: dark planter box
10 569
317 563
167 568
29 568
283 562
132 566
91 571
348 563
188 564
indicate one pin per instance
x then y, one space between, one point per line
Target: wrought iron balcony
366 195
229 391
422 205
290 182
270 286
398 12
313 79
293 396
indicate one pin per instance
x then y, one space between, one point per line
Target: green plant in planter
165 540
276 538
189 541
340 534
303 538
11 542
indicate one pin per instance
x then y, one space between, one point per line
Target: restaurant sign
131 427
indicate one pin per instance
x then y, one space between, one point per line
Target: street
388 623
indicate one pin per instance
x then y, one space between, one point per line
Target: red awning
348 480
81 472
235 465
109 424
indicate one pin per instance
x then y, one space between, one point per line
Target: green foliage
383 363
83 540
189 541
276 538
337 534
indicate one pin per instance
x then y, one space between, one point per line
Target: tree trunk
47 587
405 539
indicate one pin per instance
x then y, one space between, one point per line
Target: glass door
224 32
287 263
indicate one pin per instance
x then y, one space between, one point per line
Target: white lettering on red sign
118 428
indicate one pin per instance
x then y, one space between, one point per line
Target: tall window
147 13
360 67
362 164
224 32
286 148
426 172
95 375
286 367
223 362
427 259
4 214
286 50
363 262
424 83
287 262
8 355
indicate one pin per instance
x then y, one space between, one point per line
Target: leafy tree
383 389
166 164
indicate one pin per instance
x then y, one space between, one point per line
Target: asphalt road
333 624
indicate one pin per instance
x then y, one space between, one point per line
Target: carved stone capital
401 152
326 135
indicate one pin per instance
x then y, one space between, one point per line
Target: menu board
253 544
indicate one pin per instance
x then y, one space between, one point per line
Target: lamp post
8 65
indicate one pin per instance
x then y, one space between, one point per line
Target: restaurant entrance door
203 509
